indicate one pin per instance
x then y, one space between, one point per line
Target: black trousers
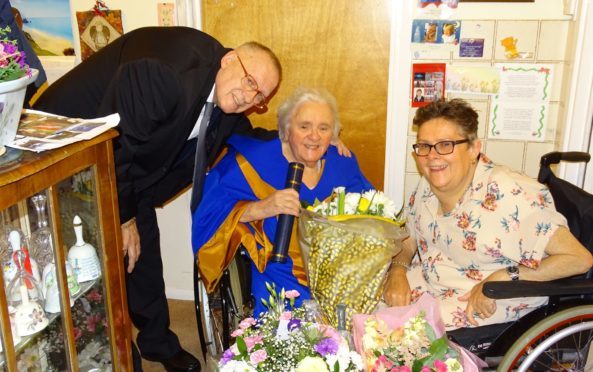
145 286
147 301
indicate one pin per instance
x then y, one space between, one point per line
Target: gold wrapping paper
346 258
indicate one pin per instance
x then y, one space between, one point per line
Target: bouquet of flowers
411 339
347 243
12 60
413 347
285 340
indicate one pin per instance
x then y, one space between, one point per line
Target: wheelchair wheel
222 310
568 351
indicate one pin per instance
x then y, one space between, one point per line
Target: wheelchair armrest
528 288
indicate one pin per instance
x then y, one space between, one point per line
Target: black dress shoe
182 361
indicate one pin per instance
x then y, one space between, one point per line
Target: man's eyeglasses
442 148
259 100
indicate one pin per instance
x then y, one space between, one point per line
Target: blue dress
251 170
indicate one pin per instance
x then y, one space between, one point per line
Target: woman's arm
565 257
397 289
280 202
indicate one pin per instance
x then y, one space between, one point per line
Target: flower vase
12 97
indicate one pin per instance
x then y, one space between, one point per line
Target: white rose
237 366
453 365
312 364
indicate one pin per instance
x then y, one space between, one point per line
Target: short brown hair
456 110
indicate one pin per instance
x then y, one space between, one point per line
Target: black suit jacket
157 79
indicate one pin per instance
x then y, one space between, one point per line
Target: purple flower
327 346
293 325
227 356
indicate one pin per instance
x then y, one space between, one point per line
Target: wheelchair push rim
528 342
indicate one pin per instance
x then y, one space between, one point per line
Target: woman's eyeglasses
442 148
259 100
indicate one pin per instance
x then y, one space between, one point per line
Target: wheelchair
559 335
219 313
555 337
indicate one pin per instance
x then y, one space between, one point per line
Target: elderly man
164 83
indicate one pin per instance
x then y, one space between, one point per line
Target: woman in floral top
472 221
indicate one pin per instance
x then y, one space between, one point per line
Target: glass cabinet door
81 234
31 269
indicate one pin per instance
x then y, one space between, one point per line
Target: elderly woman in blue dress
245 192
472 221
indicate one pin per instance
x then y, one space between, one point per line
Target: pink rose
440 366
258 356
246 323
293 293
286 315
251 341
237 333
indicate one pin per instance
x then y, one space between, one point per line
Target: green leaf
337 366
241 346
417 366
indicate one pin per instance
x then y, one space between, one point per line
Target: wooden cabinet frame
37 172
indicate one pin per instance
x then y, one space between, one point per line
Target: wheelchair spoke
560 342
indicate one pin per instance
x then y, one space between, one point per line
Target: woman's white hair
300 96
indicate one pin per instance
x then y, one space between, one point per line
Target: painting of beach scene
48 26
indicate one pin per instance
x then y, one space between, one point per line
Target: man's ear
227 58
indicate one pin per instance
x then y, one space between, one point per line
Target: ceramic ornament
29 316
83 257
51 291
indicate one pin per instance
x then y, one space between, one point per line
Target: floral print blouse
503 219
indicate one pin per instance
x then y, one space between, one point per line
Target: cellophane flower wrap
410 338
283 339
347 243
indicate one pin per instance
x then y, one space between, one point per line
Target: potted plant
15 75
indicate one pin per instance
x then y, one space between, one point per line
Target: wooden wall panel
342 45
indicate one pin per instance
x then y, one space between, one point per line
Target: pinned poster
166 14
520 109
444 9
428 83
97 28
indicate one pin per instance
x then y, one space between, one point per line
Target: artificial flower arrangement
285 340
347 243
12 60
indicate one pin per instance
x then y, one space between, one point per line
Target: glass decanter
40 243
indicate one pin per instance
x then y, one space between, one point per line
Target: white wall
547 22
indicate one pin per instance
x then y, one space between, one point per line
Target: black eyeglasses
259 100
442 148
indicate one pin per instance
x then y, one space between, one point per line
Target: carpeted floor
183 323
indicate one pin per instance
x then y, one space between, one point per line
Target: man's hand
478 304
397 289
131 240
342 149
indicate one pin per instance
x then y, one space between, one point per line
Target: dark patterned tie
201 158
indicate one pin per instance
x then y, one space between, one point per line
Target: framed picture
98 30
496 1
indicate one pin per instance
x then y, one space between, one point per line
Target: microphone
285 221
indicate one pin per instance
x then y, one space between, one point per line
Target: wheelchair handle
570 156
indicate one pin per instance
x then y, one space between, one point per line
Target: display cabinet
63 301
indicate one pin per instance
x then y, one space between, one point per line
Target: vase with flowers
15 75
